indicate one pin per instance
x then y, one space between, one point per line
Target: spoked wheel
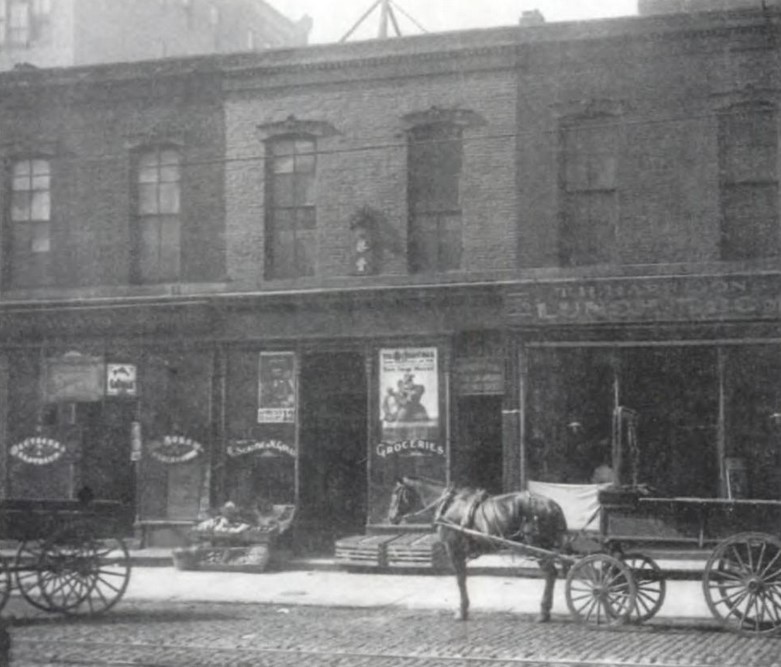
5 582
81 574
742 583
651 586
26 573
600 590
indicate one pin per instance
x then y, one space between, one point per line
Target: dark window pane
283 190
750 221
588 229
305 253
305 218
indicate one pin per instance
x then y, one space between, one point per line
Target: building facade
65 33
301 274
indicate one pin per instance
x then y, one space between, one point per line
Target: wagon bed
70 556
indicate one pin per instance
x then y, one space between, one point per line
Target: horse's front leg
457 552
548 567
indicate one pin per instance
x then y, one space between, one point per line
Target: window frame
30 266
295 263
435 225
161 214
597 187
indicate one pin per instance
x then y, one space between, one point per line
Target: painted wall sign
479 376
74 377
410 448
674 299
263 447
121 380
38 450
174 449
277 388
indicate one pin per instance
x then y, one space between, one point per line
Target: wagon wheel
742 583
5 581
600 590
26 573
651 586
81 573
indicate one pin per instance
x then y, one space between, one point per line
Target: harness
469 516
443 501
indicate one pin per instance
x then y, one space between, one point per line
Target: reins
442 500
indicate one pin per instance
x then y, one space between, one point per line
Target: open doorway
333 484
478 453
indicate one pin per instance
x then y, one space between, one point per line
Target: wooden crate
417 551
363 550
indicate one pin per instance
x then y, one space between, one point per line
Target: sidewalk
349 589
496 584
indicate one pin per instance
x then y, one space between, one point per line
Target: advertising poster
277 390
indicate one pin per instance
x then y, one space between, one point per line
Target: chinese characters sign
277 388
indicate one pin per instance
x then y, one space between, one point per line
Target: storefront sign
479 376
263 447
410 448
74 377
277 388
121 380
38 450
657 299
174 449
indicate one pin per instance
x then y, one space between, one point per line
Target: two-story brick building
302 273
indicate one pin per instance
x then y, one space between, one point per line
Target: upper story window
748 155
157 246
589 194
291 169
23 22
435 157
30 242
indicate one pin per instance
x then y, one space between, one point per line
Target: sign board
73 377
277 388
655 299
121 380
479 376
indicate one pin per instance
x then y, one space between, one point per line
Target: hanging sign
38 450
121 380
277 388
174 449
73 377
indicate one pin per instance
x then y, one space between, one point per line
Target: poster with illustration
409 393
277 390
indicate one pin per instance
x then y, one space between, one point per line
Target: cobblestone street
273 635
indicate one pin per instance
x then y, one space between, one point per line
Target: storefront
696 359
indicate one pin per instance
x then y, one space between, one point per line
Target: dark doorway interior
333 448
478 453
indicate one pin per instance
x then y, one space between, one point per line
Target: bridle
441 502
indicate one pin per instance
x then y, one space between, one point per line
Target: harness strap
469 516
444 499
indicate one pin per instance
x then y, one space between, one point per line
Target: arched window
158 215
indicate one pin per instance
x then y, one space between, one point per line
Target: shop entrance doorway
100 433
333 485
478 452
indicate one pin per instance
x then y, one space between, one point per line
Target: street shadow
124 617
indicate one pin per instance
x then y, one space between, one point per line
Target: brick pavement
187 633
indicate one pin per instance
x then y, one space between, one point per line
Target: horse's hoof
544 617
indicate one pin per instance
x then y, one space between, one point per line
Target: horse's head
404 500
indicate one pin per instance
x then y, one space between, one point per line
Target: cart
742 575
69 559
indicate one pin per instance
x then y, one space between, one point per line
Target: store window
748 156
291 218
30 243
435 161
589 190
571 397
157 246
23 22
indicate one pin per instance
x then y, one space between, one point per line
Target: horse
522 517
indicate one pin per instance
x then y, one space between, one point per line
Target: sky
333 18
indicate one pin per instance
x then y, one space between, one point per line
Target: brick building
456 255
64 33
